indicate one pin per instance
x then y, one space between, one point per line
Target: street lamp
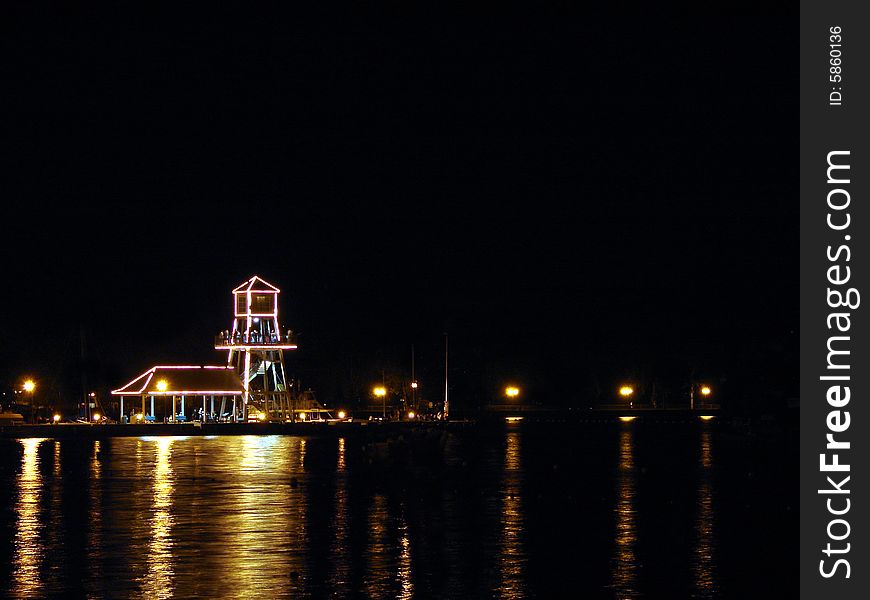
627 391
30 387
511 391
381 392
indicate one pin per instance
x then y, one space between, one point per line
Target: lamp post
381 392
627 392
511 392
705 390
30 387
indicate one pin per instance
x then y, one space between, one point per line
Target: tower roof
256 284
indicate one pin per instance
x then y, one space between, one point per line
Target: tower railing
239 338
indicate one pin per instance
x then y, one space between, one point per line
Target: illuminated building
254 378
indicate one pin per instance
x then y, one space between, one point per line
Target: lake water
526 510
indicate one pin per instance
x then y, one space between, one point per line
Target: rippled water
516 511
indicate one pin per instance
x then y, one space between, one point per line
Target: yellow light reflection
95 523
706 417
28 550
159 580
624 563
512 558
340 571
341 455
406 584
627 419
702 559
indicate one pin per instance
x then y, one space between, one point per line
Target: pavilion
185 383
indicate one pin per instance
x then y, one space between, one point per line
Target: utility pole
446 400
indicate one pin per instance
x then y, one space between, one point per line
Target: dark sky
574 199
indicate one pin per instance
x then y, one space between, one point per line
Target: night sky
575 200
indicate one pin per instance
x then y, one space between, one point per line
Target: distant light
139 416
513 419
706 417
96 416
29 385
414 384
706 390
92 394
56 418
303 416
380 391
256 319
261 416
411 414
162 385
627 419
512 392
626 390
341 414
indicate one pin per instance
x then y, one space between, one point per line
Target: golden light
513 419
414 384
627 419
261 416
706 417
626 391
341 414
139 416
29 385
162 385
411 414
380 391
303 416
706 390
512 392
96 416
56 418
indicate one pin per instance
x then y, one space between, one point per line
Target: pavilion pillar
173 408
182 406
153 414
143 405
212 405
202 416
121 413
235 420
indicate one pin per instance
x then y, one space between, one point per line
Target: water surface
525 510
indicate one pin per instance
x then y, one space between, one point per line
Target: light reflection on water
512 555
290 517
703 562
624 562
28 547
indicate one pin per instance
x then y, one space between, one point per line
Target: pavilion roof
182 380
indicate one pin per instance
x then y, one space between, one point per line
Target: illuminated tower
256 346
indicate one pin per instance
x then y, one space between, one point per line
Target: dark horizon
573 207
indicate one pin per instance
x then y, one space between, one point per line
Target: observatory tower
256 346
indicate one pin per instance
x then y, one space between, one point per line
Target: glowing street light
96 416
411 414
414 385
162 385
381 392
627 391
512 392
29 386
706 390
341 414
56 418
